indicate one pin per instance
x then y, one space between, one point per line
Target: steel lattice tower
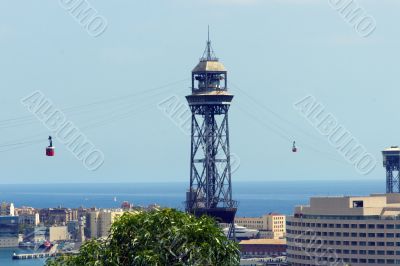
391 161
210 191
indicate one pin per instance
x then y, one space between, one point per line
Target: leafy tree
159 237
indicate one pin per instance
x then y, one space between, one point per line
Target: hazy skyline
276 53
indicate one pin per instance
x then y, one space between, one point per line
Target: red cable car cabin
50 151
50 148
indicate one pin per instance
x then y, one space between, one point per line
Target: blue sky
276 52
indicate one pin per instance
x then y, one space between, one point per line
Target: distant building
99 223
262 248
57 216
76 229
29 219
7 209
57 233
41 233
272 225
126 205
345 230
24 210
8 231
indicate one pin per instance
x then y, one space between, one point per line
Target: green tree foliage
159 237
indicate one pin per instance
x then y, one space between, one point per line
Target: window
358 204
390 226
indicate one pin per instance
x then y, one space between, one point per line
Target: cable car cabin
294 149
50 148
50 151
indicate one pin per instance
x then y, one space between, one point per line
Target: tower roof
209 66
392 149
209 62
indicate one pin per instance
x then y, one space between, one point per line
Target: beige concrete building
345 230
272 225
58 233
99 222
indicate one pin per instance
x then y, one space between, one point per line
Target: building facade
9 231
7 209
57 233
345 231
256 248
57 216
99 222
29 219
271 225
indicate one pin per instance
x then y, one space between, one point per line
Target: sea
254 198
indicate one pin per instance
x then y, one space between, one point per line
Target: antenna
208 54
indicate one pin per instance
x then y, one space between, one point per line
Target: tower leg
232 232
389 180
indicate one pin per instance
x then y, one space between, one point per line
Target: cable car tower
391 161
210 191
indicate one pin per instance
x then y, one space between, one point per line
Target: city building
9 231
76 229
57 233
24 210
345 230
99 223
39 234
7 209
126 206
262 248
29 219
271 225
57 216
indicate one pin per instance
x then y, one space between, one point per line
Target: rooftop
373 205
263 241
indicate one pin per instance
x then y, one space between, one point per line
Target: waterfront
255 198
5 258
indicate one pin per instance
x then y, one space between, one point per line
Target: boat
46 245
243 232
